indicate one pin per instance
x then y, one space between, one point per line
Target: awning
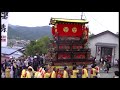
106 44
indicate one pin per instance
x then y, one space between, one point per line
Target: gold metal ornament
74 29
65 29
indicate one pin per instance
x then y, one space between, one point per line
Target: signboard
4 28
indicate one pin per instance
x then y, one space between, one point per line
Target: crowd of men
12 68
34 67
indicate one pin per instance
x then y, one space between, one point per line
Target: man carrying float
84 72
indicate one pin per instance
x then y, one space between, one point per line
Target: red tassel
97 68
91 72
82 71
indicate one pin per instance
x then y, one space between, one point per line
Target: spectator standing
14 69
11 71
38 58
108 66
101 63
26 62
41 59
35 63
18 62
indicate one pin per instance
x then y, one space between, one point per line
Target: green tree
90 34
39 46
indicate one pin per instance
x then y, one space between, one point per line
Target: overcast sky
98 21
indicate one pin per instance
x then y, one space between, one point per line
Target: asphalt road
110 74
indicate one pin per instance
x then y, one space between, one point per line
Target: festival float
69 45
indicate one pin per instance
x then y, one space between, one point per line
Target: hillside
28 33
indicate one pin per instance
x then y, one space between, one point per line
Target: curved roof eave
80 21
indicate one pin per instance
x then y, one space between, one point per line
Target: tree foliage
91 35
39 46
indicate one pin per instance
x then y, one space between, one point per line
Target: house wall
3 58
105 38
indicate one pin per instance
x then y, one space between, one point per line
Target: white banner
4 28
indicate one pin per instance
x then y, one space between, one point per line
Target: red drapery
71 30
61 27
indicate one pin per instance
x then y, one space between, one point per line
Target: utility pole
81 15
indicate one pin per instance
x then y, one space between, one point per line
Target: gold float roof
56 20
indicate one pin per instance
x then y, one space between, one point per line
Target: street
110 74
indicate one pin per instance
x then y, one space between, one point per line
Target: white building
105 43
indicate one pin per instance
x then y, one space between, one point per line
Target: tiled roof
8 50
102 33
15 55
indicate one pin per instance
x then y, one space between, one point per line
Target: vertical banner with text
4 28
